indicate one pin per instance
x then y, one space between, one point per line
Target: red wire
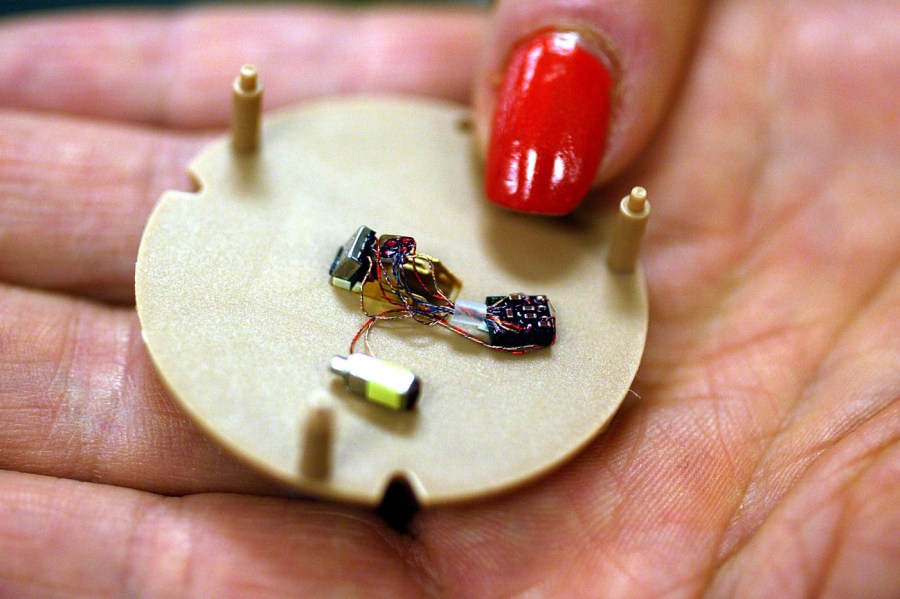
403 308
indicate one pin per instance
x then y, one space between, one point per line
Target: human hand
761 458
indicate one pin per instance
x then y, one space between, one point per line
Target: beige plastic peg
318 434
628 230
246 108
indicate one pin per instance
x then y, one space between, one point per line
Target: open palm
761 458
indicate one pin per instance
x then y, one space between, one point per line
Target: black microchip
352 258
527 320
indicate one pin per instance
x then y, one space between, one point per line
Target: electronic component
423 276
518 320
394 249
352 261
511 322
379 381
390 270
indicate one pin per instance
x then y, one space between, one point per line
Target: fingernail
550 123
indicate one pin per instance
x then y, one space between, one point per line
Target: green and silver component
381 382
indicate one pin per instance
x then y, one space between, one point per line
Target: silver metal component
379 381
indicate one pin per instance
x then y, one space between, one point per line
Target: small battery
382 382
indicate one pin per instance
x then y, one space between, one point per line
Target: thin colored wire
409 304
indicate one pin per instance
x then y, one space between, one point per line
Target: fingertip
568 94
550 121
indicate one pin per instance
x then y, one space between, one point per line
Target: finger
174 68
61 537
570 92
80 399
74 199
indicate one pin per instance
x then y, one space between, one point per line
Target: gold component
422 272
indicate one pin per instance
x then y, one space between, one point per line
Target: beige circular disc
239 317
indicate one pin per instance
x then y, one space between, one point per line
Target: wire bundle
427 304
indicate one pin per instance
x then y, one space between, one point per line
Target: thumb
570 91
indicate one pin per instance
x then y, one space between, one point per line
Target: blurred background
8 7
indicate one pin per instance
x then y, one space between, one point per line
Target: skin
761 458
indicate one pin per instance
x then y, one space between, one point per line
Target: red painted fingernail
550 123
